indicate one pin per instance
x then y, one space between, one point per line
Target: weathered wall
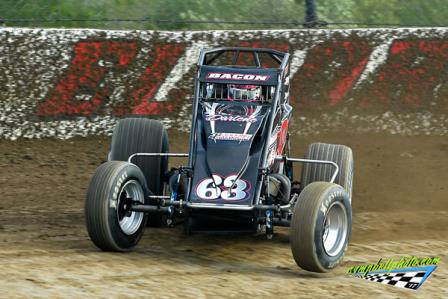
66 83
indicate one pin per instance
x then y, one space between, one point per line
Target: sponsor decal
226 118
236 76
272 154
219 187
408 272
230 136
282 136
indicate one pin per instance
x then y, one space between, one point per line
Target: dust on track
400 208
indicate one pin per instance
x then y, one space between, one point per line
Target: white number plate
219 187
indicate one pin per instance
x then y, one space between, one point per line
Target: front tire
141 135
110 224
321 226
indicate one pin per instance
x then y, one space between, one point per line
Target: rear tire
141 135
321 227
340 154
110 225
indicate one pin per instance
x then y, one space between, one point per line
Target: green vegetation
405 12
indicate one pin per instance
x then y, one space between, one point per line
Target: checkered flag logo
410 278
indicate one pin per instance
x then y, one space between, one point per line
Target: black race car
239 175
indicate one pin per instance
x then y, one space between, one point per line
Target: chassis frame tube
167 203
336 167
157 155
149 209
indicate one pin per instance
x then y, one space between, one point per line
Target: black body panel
229 147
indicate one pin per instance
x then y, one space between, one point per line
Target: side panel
279 134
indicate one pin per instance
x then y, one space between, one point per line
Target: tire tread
340 154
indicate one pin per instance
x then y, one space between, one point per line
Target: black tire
316 202
141 135
104 206
340 154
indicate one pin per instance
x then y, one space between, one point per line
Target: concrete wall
66 83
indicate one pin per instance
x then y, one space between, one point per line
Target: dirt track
400 209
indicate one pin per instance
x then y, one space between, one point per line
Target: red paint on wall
409 77
399 47
279 46
345 84
163 57
90 64
266 62
329 73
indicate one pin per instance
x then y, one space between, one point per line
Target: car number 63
219 187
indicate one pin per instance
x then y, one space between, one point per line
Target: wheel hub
128 220
335 229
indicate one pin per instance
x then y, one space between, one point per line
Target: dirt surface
400 209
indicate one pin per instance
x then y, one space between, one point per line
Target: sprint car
238 176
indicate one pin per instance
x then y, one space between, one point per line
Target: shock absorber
173 197
269 224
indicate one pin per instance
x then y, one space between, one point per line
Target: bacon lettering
230 76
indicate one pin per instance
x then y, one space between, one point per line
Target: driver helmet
245 93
